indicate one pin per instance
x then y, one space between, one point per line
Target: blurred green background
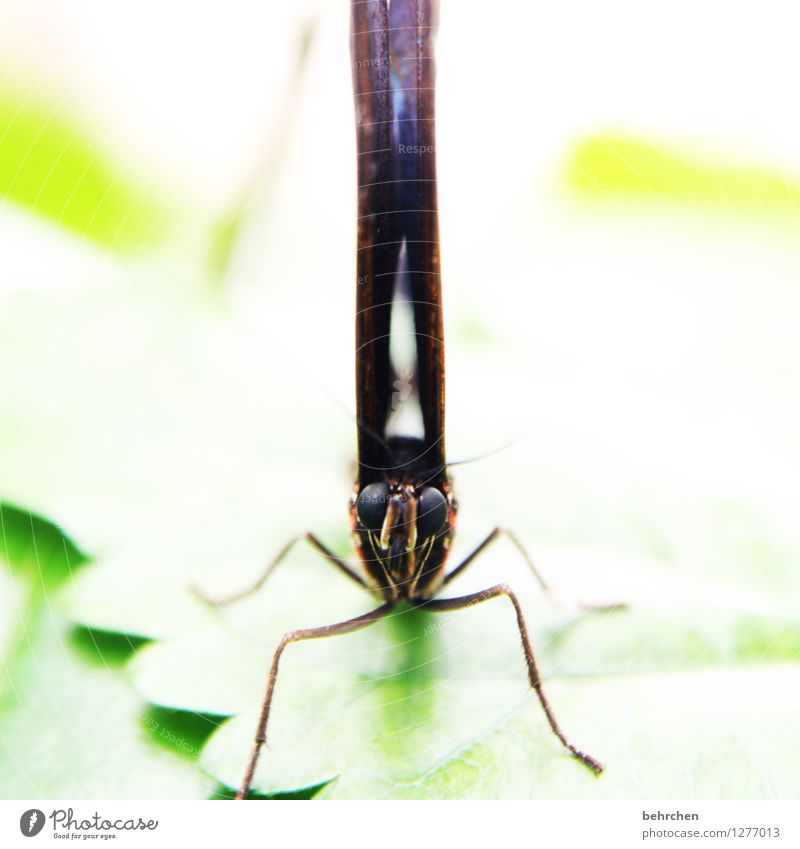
621 248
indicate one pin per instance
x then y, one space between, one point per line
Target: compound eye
431 512
371 507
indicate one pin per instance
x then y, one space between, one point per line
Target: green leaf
706 745
50 166
37 550
39 557
70 725
72 728
616 166
431 706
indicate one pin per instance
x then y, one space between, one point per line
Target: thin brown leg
445 604
494 535
276 561
479 549
345 627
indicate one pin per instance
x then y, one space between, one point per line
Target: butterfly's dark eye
431 512
371 507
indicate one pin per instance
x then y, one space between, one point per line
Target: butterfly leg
495 535
346 627
446 604
276 561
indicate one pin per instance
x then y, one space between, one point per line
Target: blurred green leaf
73 729
616 166
51 166
35 549
70 725
108 647
39 558
663 736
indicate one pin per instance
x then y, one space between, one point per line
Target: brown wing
413 34
394 76
378 244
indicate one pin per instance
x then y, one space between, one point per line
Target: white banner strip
396 825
